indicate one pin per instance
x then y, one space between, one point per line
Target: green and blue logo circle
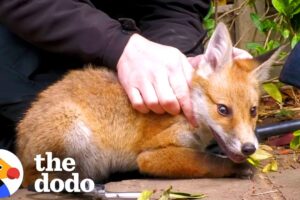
11 173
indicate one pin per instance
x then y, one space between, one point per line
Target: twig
242 36
270 16
233 10
274 112
295 96
267 192
267 10
216 10
272 80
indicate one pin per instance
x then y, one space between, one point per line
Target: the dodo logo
11 173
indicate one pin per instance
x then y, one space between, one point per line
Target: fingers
181 90
143 98
136 100
150 97
166 96
186 105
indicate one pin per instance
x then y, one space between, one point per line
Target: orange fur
88 116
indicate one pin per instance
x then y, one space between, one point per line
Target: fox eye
223 110
0 167
253 111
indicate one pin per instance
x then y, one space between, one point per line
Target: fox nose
13 173
248 149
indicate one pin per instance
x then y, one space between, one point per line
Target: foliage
169 194
273 91
295 143
209 22
145 195
264 153
283 25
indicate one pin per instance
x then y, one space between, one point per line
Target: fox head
225 94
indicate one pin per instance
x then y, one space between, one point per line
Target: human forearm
70 27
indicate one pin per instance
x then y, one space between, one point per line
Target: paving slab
288 182
282 185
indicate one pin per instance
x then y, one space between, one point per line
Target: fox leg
180 162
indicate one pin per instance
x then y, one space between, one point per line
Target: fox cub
87 116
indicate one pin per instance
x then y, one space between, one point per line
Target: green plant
283 25
209 21
295 143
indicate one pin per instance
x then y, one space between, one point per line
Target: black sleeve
175 23
73 27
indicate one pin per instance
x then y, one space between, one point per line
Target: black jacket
90 30
59 33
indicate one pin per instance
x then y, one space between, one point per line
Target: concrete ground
284 184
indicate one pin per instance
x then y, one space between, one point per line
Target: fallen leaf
274 166
267 168
273 91
285 152
145 195
253 162
182 195
265 147
261 154
166 194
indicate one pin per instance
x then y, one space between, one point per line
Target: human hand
156 77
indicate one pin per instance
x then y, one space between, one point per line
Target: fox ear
261 72
218 53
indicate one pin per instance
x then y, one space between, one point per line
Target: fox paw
244 171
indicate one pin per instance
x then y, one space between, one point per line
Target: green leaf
267 25
260 154
285 113
295 143
296 133
272 44
253 162
253 45
182 195
211 11
267 168
166 194
209 24
280 6
265 147
145 195
295 40
255 19
274 166
285 33
258 48
169 194
273 91
295 6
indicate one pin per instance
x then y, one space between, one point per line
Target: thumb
195 61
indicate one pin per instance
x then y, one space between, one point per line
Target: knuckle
140 107
155 107
169 103
152 104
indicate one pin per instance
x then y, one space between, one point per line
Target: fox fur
87 116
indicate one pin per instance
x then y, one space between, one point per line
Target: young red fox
87 116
